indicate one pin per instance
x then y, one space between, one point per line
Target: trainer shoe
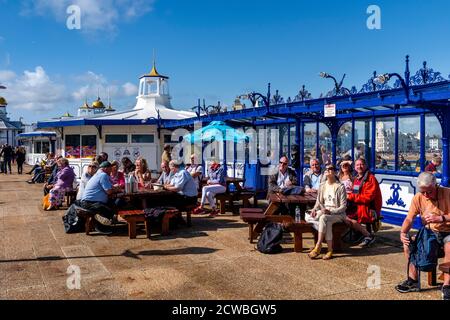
446 292
408 285
368 241
104 221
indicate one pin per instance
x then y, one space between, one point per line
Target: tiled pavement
211 260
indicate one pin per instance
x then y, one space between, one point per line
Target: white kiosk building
131 133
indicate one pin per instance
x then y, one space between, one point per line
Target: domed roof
3 101
154 73
85 106
98 104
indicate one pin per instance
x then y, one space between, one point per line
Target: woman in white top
329 209
87 175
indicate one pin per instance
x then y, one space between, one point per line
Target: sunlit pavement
211 260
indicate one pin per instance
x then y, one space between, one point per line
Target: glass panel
310 141
363 140
116 138
409 143
433 141
142 138
284 133
88 146
167 138
73 145
385 143
344 141
45 146
324 145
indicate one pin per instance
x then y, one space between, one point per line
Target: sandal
328 256
315 253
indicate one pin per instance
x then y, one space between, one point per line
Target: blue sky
209 49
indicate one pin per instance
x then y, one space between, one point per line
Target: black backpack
270 239
424 250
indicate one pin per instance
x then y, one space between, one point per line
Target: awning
34 134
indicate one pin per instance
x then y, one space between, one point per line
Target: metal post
353 140
445 158
300 142
374 143
317 141
334 134
396 166
422 143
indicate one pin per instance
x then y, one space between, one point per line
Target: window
344 141
284 132
433 140
310 141
88 146
324 155
385 143
409 143
142 138
116 138
363 140
73 145
167 138
41 147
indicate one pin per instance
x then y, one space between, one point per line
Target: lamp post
337 85
383 78
255 96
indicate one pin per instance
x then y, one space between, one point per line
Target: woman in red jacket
367 202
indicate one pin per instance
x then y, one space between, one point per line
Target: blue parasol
218 131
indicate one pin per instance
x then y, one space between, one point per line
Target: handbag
46 202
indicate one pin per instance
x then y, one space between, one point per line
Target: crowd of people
9 155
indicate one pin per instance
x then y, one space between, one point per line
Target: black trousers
7 165
19 167
102 208
180 201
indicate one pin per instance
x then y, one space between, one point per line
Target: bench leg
298 241
222 206
250 232
147 228
132 229
432 275
89 224
165 225
188 218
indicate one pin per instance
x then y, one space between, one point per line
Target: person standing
20 159
7 153
166 156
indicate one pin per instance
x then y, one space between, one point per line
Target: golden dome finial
3 101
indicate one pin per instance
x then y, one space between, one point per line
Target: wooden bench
243 196
339 229
255 216
71 196
88 215
445 267
132 217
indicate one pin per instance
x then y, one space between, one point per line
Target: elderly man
182 183
434 164
366 202
96 193
313 178
432 203
166 174
195 170
284 178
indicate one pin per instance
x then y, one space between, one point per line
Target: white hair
426 179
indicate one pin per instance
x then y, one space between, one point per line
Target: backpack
72 222
270 239
424 250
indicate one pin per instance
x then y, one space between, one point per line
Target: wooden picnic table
277 199
147 195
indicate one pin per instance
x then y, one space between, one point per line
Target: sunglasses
284 163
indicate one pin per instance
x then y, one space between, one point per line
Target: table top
145 193
307 198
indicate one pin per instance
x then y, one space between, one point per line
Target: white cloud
96 15
130 89
33 90
7 75
96 84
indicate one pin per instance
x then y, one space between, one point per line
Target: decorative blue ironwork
426 75
395 197
372 85
303 95
338 90
277 99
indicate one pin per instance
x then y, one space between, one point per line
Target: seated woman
329 209
346 175
142 174
64 183
87 175
117 177
216 184
127 166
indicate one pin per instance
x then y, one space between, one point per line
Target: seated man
313 178
96 192
166 174
182 183
195 170
432 203
284 178
434 164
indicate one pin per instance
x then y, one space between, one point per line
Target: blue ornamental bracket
395 197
